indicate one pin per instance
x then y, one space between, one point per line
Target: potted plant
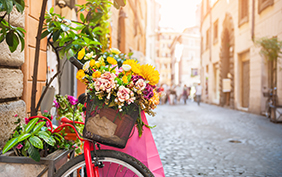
68 106
35 142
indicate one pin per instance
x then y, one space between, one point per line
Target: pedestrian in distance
198 93
185 93
178 91
172 94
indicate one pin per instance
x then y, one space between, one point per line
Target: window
263 4
207 39
243 11
194 72
215 32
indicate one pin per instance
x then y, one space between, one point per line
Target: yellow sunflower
111 60
150 74
81 54
135 67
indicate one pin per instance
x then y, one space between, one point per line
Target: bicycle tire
118 162
267 108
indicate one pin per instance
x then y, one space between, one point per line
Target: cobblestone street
208 140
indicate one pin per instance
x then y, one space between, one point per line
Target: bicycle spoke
117 170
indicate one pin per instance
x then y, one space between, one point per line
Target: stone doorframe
228 27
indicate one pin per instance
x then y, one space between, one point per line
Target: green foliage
270 47
68 37
35 138
11 34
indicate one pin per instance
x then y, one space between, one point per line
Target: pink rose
123 94
105 83
140 84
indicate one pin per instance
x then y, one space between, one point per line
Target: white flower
86 66
89 55
101 59
126 67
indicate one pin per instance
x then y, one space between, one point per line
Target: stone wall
11 84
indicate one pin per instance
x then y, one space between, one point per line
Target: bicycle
95 162
270 102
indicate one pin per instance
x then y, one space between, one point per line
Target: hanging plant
270 47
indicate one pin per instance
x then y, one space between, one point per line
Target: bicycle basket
108 126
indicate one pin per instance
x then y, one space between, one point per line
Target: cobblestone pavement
205 141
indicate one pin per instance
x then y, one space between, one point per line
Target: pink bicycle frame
91 169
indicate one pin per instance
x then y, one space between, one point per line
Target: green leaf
22 42
9 38
51 9
38 127
64 27
30 125
34 153
47 138
44 34
36 142
26 145
11 143
9 6
56 35
24 136
2 38
82 18
19 7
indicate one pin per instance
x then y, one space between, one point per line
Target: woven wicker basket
108 126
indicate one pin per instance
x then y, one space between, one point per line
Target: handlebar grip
76 63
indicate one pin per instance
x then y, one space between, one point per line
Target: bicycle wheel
115 164
267 109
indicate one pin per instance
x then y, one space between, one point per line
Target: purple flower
56 104
45 111
51 118
16 115
26 120
19 146
148 92
72 100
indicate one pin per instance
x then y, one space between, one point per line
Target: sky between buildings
178 14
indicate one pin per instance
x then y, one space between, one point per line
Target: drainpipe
253 21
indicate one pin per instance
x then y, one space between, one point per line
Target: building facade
163 62
185 57
234 74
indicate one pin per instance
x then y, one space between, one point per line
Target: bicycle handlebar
76 63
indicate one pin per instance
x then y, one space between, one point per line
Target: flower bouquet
116 82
